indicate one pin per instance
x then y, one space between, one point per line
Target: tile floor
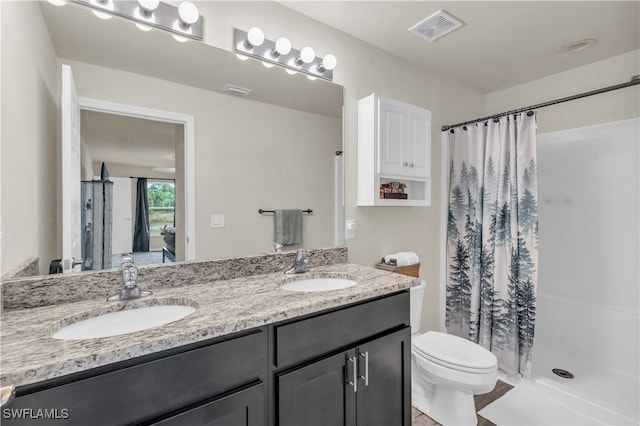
420 419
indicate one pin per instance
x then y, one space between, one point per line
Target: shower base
606 395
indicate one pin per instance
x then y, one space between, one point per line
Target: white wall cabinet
394 145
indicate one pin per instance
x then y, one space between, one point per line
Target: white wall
29 131
611 106
86 162
589 222
363 69
222 137
246 153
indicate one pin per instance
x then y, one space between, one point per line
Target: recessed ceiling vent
436 26
236 90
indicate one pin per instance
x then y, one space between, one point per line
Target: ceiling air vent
437 25
236 90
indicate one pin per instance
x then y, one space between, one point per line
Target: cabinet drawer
312 337
136 393
242 408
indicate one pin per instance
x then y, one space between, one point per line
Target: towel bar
271 211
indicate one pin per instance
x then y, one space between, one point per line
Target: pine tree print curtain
492 237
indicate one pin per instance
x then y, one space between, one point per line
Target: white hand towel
390 258
411 257
402 258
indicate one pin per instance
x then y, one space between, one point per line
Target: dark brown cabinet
149 387
368 385
384 387
241 408
344 366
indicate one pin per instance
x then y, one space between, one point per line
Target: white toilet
446 371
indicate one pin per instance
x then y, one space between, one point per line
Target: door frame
188 123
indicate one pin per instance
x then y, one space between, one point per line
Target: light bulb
188 13
180 39
57 2
283 47
329 62
255 37
307 55
148 6
141 13
102 15
103 4
143 27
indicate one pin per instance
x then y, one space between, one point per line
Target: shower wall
589 281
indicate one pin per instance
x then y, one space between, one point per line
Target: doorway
136 143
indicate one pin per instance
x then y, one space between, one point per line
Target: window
162 205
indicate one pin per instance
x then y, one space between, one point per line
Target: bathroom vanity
251 354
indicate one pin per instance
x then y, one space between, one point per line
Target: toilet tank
416 297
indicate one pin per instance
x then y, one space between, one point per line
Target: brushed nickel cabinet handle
354 383
410 164
405 164
365 355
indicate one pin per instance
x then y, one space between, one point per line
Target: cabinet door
418 143
384 380
319 394
242 408
392 125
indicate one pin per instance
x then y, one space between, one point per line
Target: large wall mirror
273 149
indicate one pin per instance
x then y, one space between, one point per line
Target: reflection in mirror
274 149
131 149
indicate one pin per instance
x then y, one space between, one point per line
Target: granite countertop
28 354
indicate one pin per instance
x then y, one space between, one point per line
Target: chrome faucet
277 247
130 288
300 264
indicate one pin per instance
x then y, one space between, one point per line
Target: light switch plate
349 229
217 221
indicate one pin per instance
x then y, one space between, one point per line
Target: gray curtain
141 232
492 244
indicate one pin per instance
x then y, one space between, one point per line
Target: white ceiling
503 43
130 141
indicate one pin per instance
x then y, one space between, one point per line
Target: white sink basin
123 322
319 284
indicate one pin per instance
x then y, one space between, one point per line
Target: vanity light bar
183 20
303 61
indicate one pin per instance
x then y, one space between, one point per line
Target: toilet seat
454 352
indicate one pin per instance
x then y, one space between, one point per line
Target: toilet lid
454 352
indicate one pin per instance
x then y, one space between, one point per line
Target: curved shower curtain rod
634 80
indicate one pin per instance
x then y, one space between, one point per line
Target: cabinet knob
410 164
405 164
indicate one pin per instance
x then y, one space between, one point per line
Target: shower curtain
492 234
141 232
